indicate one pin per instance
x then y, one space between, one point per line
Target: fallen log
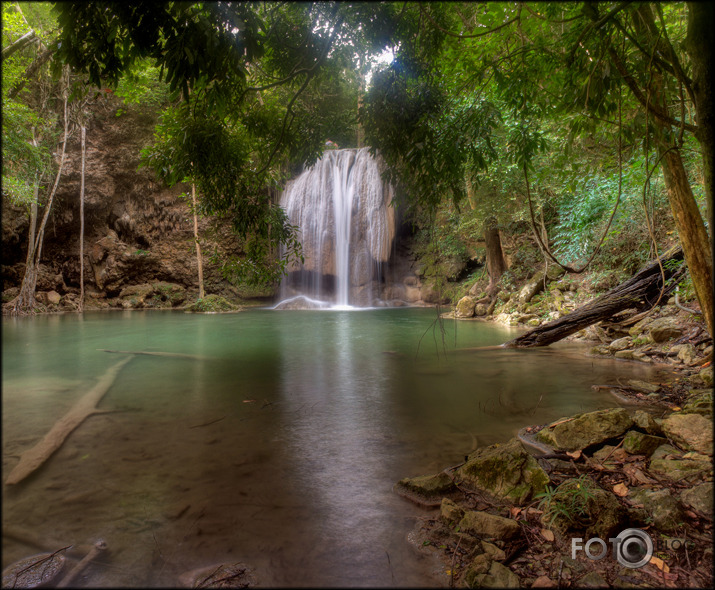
641 290
33 458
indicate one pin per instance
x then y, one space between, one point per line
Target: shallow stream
277 447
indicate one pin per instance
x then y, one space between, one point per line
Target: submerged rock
505 471
586 429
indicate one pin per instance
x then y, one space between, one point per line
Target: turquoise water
276 446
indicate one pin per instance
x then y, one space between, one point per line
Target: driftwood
33 458
180 355
642 289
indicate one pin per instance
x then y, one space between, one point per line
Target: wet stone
425 489
586 429
637 443
483 524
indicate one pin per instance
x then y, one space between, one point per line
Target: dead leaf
548 535
620 489
659 563
248 401
574 454
515 512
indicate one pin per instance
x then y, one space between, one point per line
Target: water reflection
279 447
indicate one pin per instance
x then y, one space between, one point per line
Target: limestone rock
706 376
687 353
450 512
669 462
645 421
625 354
494 552
643 386
465 307
700 401
620 344
690 431
637 443
425 489
480 309
499 576
700 498
505 471
593 580
663 329
54 298
665 510
490 526
586 429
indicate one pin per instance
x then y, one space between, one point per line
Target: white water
347 226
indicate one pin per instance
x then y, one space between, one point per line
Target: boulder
53 298
480 309
490 526
700 498
625 354
665 510
425 489
504 471
593 580
706 376
465 307
663 329
669 462
692 432
586 429
493 552
637 443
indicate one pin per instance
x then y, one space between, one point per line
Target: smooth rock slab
692 432
586 429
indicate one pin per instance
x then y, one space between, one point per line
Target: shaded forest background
572 134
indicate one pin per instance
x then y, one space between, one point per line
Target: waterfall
347 225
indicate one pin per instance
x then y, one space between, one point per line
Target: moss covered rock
586 429
426 489
465 307
212 304
504 471
497 576
489 526
637 443
669 462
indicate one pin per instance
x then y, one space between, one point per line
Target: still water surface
278 447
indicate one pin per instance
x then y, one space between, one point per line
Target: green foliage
568 502
141 84
212 304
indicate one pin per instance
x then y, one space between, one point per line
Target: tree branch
460 36
20 44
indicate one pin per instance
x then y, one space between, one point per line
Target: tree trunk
81 220
496 265
198 245
699 44
18 45
642 289
25 301
691 230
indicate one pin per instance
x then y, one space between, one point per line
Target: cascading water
347 226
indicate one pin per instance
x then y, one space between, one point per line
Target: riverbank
508 515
